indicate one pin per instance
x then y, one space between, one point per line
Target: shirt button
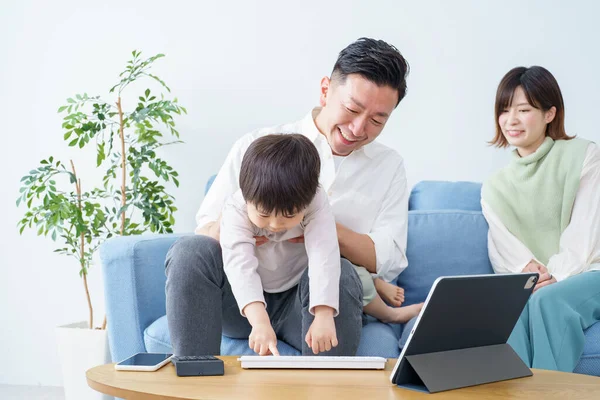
330 193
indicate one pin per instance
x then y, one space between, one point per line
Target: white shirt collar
310 130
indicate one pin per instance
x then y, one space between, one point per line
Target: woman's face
523 125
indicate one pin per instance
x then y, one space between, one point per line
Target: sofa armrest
134 287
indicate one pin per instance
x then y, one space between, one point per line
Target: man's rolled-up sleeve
389 232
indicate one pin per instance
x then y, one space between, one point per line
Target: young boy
280 199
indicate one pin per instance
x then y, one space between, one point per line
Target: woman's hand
535 266
545 277
544 280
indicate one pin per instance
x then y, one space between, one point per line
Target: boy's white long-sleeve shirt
579 243
368 194
278 265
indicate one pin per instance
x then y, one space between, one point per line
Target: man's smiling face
354 112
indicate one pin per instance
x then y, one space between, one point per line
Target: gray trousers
201 305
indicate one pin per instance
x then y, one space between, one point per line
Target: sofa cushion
590 360
441 195
377 339
443 243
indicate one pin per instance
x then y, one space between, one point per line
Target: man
366 185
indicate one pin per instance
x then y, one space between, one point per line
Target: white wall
241 65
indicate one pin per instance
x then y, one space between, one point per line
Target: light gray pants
201 305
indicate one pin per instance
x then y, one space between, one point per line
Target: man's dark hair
376 61
280 173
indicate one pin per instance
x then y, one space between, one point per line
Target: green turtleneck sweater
533 196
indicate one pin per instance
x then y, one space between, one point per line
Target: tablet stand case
461 339
446 370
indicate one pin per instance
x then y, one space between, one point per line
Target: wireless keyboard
313 362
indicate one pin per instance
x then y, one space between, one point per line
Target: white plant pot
79 349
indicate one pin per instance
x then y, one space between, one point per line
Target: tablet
463 312
144 362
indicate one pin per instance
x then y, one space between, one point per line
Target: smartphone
144 362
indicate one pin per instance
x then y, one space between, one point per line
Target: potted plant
131 199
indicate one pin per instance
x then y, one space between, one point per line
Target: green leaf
101 156
61 109
73 142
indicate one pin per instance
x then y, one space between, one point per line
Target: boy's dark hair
376 61
280 173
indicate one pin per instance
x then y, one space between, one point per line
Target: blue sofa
447 235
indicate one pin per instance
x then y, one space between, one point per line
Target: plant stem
123 164
82 249
89 300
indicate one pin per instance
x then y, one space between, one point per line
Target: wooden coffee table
322 384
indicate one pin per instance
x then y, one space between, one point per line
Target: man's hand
260 240
212 229
321 335
263 340
298 239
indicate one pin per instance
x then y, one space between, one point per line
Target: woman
543 210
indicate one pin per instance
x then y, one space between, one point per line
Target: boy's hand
263 340
321 335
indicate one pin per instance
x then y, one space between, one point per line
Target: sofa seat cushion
590 360
377 339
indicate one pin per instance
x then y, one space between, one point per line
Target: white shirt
579 243
368 194
278 265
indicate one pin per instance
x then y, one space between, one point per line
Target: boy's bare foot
390 293
403 314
